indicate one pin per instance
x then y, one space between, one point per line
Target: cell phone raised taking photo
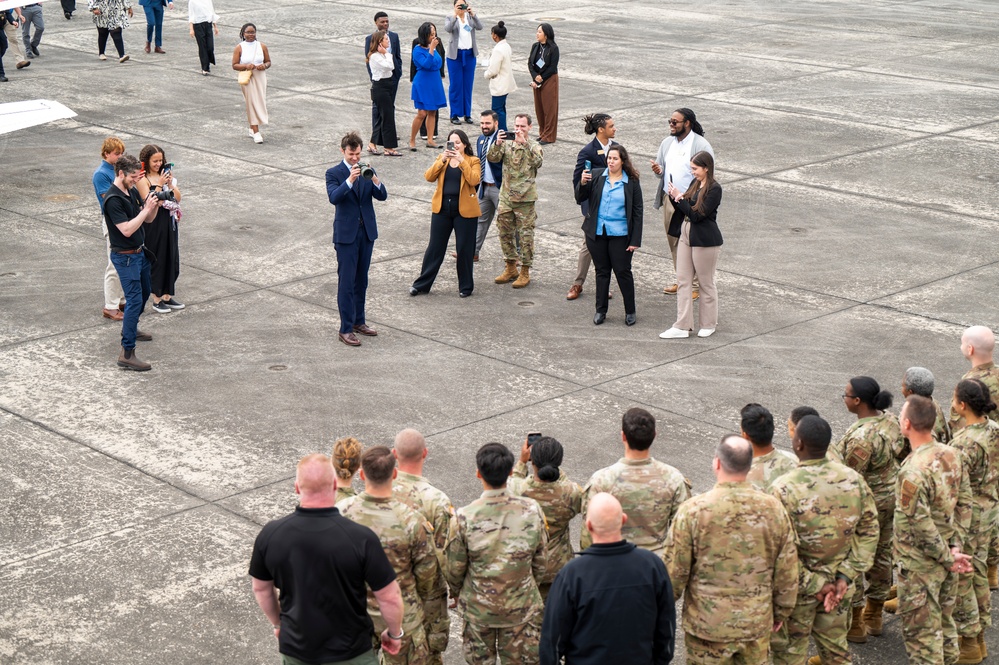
587 165
532 437
450 145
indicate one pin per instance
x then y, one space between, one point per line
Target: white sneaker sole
674 333
705 332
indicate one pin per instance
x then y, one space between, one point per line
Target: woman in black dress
161 234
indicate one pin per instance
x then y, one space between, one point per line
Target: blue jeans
462 73
499 105
133 273
154 20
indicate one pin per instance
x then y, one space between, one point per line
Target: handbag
244 76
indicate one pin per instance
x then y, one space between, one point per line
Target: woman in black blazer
543 65
613 227
699 248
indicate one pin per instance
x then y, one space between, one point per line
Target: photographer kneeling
124 215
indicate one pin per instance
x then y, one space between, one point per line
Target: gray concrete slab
854 141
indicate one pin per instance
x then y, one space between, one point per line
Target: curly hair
347 457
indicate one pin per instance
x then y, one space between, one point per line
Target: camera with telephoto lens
366 171
164 195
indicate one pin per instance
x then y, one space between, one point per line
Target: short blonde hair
347 457
112 144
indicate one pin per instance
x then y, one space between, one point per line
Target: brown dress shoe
365 330
128 360
147 47
113 314
574 292
143 336
23 64
121 307
695 295
159 50
671 290
350 339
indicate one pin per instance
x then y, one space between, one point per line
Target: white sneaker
257 138
674 333
705 332
249 132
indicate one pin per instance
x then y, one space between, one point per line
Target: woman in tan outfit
252 56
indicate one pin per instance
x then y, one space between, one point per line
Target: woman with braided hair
346 461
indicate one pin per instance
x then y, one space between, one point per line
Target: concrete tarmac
856 142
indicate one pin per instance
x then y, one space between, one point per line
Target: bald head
409 446
734 456
604 518
315 480
978 343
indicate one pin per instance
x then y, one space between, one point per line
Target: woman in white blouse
381 64
500 73
252 56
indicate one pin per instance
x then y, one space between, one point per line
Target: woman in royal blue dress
428 90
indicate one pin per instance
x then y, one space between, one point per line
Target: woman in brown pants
699 248
543 65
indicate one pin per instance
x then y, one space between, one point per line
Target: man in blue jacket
612 604
354 234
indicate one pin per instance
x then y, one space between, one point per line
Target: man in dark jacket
612 604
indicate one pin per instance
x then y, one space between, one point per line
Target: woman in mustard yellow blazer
455 208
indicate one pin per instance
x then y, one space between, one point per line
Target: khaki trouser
113 295
673 240
691 261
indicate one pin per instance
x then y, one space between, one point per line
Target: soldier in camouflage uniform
978 443
871 447
977 345
406 538
932 517
768 462
920 381
650 491
835 518
515 216
731 557
346 461
495 560
411 488
560 500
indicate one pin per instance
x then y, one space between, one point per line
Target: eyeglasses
845 396
676 122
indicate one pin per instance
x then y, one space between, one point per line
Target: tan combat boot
970 654
872 616
815 660
993 577
981 645
523 279
891 606
509 274
128 360
858 631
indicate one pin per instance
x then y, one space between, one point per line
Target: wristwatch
396 637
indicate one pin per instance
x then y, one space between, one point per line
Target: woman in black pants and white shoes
613 227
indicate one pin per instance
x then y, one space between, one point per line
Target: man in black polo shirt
321 562
124 215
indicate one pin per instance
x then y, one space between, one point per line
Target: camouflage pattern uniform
768 468
988 374
406 539
835 518
932 515
436 508
495 559
345 491
941 432
979 448
731 557
560 501
515 215
650 493
871 447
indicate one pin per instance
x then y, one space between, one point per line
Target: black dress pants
441 225
206 44
68 6
102 40
383 132
611 253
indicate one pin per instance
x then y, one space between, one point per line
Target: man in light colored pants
674 241
114 297
488 202
104 175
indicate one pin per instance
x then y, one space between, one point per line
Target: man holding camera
124 215
521 158
351 186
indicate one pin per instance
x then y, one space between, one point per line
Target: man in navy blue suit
354 234
382 23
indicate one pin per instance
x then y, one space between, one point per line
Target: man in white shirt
672 164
